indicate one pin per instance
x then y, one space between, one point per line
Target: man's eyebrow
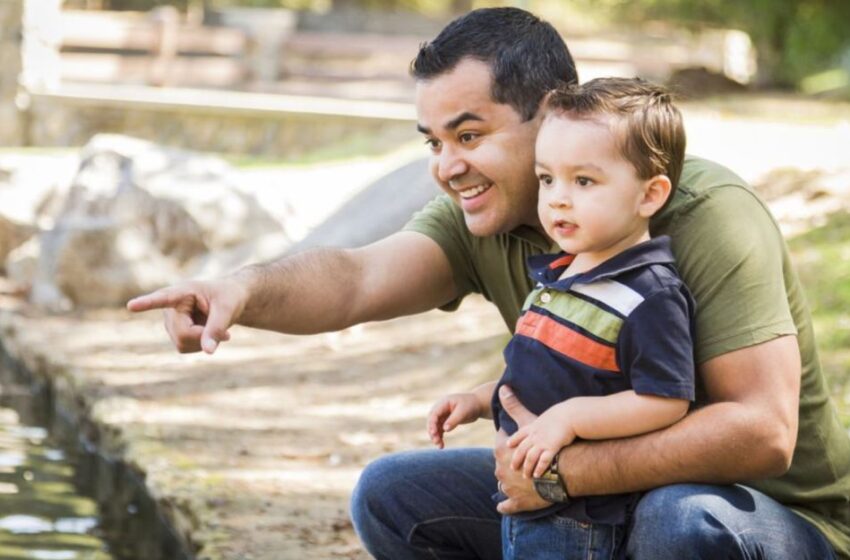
454 123
460 119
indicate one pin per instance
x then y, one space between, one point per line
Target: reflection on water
42 516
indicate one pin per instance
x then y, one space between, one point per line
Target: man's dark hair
527 57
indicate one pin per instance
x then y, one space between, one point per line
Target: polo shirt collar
546 269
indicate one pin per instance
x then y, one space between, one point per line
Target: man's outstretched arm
315 291
748 432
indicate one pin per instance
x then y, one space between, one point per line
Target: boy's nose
560 202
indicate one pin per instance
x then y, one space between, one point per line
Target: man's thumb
514 408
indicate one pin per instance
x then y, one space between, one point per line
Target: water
43 515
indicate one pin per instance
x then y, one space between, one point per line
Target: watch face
550 490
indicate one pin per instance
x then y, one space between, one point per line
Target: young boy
603 348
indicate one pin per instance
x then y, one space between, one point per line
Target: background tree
794 38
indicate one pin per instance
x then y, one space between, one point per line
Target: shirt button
545 297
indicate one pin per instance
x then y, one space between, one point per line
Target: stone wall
11 132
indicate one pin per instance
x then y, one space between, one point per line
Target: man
764 413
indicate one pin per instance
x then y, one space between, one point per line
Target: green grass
822 258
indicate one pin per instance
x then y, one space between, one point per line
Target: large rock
12 235
135 215
378 210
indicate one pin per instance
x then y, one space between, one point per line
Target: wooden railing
153 48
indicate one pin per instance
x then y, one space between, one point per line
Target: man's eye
432 143
467 137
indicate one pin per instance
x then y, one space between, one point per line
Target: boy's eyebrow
573 167
454 123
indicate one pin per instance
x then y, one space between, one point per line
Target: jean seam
440 519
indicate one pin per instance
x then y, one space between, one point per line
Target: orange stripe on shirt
567 341
563 261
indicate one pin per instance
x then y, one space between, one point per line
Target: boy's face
482 153
591 200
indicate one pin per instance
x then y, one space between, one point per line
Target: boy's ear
656 191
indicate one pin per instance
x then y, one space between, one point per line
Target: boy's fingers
531 460
519 456
543 463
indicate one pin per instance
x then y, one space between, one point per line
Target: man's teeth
474 191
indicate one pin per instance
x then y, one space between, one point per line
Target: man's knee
687 521
373 488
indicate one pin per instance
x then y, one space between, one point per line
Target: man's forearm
305 293
721 443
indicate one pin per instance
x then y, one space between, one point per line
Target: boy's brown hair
649 129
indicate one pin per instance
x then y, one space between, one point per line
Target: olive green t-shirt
732 256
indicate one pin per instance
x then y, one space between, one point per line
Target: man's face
482 153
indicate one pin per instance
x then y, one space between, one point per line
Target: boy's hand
450 411
537 443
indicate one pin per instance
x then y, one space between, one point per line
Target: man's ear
656 191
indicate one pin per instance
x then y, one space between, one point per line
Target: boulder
12 235
379 210
134 216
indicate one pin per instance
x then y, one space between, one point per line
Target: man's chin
480 227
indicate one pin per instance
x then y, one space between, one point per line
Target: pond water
43 515
59 498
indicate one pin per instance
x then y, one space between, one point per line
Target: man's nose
450 164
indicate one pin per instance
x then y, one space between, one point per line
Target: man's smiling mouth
474 191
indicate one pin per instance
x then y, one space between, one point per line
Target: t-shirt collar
546 269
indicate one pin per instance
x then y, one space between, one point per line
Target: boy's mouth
564 227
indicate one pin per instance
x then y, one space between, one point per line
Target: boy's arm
484 394
747 433
622 414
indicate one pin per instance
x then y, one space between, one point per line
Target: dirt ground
263 441
259 446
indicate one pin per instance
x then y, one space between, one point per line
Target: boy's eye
545 179
584 181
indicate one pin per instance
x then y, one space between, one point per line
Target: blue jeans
557 537
437 504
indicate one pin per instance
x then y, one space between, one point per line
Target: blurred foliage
794 38
420 6
822 258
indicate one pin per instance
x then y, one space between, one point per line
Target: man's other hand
520 490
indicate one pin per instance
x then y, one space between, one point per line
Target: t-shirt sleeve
729 252
442 221
655 346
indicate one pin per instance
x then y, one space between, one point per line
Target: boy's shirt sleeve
655 346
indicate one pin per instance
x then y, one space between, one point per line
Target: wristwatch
551 487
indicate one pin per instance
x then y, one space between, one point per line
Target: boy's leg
432 504
558 538
696 521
